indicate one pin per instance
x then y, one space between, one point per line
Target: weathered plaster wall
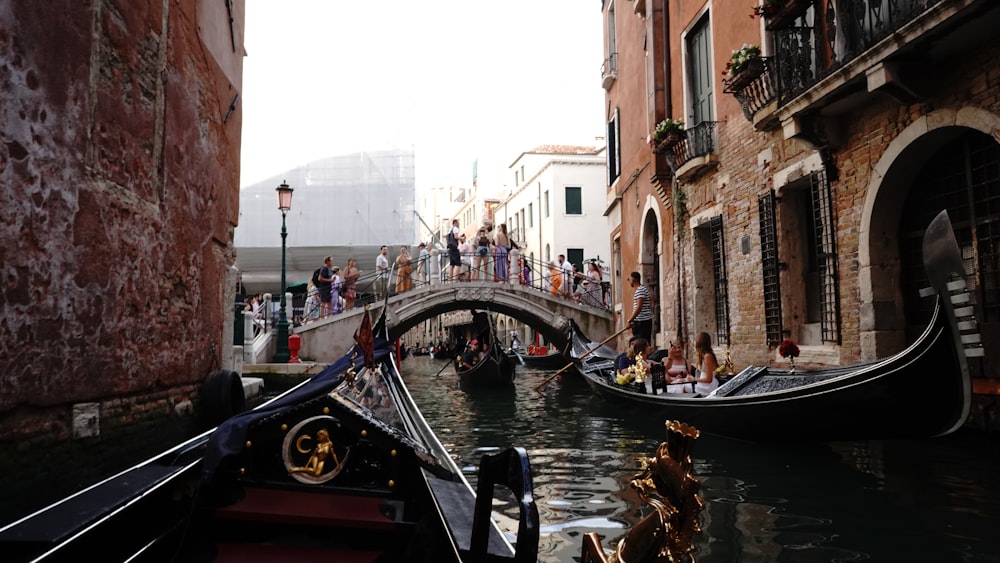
119 190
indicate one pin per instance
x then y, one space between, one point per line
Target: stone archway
882 319
651 266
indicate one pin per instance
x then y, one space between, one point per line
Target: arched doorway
950 167
649 258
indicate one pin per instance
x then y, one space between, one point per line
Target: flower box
747 73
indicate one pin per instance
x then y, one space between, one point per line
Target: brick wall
119 187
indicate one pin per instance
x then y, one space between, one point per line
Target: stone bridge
328 339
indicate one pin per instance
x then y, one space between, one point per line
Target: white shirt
382 265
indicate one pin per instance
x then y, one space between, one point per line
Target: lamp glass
284 196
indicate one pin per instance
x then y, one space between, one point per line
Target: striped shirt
646 313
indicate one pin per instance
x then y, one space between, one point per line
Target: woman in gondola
706 381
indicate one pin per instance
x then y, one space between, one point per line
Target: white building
557 205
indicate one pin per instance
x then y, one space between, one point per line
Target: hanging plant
680 210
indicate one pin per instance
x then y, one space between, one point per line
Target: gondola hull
496 369
341 468
551 361
923 391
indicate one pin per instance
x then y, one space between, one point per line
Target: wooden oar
519 358
446 364
571 364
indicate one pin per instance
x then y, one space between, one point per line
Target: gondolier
641 320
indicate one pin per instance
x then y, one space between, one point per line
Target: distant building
342 206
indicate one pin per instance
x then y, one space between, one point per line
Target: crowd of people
331 291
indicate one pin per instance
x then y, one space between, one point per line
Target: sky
456 80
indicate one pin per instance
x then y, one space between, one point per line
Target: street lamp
284 204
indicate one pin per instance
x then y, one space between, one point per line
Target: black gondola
923 391
546 362
494 368
341 468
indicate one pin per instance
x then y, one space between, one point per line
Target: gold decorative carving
668 484
309 453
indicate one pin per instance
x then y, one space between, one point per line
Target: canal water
901 500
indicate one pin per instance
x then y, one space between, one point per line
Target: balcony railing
609 71
830 35
698 141
755 87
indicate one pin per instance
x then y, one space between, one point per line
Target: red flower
788 348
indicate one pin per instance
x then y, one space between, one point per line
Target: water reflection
930 500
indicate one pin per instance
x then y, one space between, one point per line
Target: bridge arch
328 339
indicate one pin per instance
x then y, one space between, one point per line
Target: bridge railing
521 270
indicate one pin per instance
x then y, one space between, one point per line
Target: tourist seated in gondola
622 361
705 382
640 348
678 370
470 358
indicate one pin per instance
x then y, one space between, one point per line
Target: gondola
549 361
923 391
341 468
495 368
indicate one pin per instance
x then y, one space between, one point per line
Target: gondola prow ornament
668 484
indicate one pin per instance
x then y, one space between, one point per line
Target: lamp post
284 204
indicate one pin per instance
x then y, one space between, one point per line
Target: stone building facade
120 129
794 201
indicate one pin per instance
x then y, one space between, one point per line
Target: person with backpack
454 256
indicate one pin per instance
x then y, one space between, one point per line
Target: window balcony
694 153
609 71
756 89
836 56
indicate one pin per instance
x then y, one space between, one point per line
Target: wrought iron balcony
609 71
755 87
695 151
830 48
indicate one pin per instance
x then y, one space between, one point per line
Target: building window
769 268
720 278
574 201
531 215
545 202
701 81
824 245
613 156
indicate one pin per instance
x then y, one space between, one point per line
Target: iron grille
769 267
824 237
721 281
964 178
824 40
698 141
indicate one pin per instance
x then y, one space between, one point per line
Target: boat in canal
494 368
923 391
343 467
544 362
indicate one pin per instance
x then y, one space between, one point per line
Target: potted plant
779 14
668 132
788 349
744 65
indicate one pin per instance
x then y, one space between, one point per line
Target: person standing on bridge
382 272
422 257
404 268
641 319
454 256
502 242
351 275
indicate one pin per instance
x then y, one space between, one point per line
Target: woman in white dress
707 362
